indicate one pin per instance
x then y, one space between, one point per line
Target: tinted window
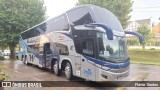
84 42
34 31
88 47
58 23
47 49
79 16
102 15
62 49
55 24
35 47
83 33
79 35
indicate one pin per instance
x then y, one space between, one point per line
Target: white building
132 25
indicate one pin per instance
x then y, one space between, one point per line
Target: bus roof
54 17
81 15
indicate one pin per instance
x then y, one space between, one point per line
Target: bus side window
88 47
62 49
40 49
101 47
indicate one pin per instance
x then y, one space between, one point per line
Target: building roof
144 21
156 30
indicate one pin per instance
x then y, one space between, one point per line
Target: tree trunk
12 51
12 47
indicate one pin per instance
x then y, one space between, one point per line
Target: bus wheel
68 71
55 68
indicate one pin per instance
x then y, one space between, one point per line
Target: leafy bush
152 49
135 42
3 76
132 41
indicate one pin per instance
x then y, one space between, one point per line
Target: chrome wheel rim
67 71
55 67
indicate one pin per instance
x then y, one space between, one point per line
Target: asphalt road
20 72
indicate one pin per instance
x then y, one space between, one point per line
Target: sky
142 9
57 7
146 9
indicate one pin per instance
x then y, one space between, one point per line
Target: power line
146 11
145 7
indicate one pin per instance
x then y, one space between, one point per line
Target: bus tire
68 71
55 68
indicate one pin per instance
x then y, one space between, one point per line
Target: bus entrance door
46 54
87 67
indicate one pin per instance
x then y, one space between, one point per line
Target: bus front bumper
112 76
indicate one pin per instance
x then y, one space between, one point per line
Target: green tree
145 30
121 8
3 44
17 16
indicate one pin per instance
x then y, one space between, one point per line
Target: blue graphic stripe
30 49
108 64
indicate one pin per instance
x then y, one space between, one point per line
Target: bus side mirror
136 34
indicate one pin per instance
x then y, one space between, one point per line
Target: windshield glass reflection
113 50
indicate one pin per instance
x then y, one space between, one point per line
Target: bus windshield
113 50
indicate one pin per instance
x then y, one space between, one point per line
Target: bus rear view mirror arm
136 34
108 30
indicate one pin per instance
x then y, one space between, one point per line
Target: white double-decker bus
87 41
